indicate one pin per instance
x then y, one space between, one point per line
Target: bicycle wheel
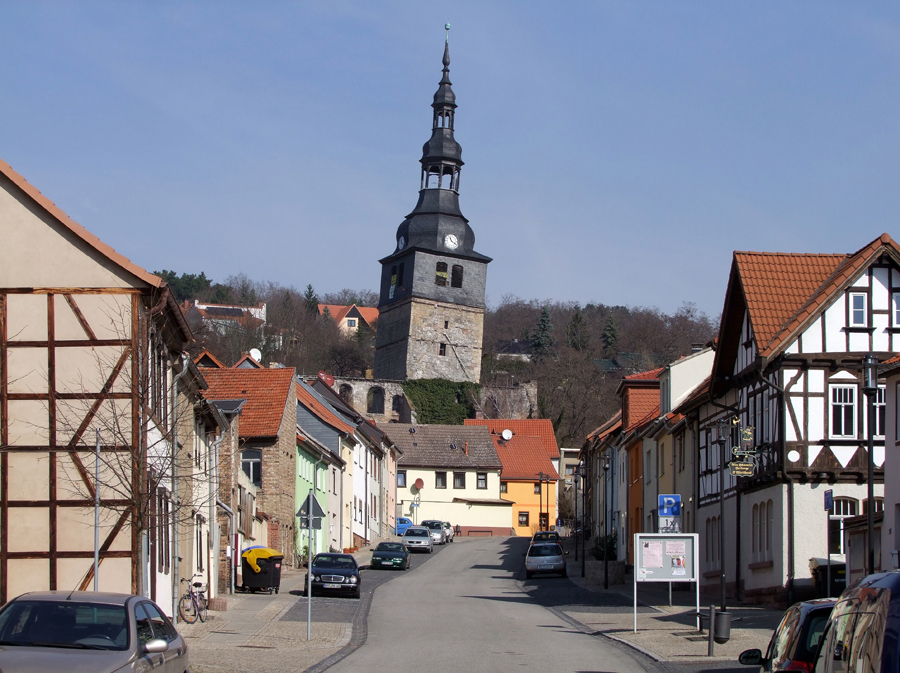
202 607
187 608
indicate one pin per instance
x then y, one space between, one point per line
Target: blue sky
616 152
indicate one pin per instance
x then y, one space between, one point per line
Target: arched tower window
346 393
375 401
400 275
440 273
456 277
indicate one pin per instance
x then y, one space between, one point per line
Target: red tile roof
610 426
783 291
320 411
644 376
206 354
531 427
266 392
523 458
82 233
338 312
642 405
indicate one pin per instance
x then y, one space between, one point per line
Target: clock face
451 241
401 243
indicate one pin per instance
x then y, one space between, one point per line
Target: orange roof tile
266 392
611 425
206 354
320 411
642 405
77 229
338 312
644 376
531 427
523 458
784 291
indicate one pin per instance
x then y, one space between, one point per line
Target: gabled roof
308 398
644 376
430 446
607 428
338 312
784 292
697 396
53 210
208 360
247 362
266 392
523 458
531 427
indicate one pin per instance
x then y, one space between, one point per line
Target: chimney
467 448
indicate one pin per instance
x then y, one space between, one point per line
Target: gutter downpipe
234 550
213 519
176 558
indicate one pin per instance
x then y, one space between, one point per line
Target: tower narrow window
400 275
440 274
456 276
442 349
375 401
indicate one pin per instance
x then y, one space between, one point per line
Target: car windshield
342 562
434 525
390 546
545 536
545 550
416 532
76 625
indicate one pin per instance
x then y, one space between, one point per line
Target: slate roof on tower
430 446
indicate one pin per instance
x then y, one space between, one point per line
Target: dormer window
857 310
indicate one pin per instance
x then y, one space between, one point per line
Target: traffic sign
311 501
669 505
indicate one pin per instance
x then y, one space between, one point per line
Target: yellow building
529 480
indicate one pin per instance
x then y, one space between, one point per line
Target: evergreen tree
542 338
610 336
311 299
577 336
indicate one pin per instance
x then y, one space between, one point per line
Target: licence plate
331 586
545 567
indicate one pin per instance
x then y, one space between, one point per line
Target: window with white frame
841 509
843 411
762 521
857 309
879 411
895 302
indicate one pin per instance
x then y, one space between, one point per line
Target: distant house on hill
223 318
350 317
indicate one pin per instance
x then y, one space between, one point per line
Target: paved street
463 610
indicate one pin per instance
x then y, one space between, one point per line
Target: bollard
711 648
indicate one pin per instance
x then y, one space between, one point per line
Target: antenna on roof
506 434
256 354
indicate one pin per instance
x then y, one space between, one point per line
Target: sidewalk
669 633
249 634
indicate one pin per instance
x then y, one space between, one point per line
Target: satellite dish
419 484
256 354
507 435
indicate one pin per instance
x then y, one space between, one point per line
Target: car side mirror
751 657
156 646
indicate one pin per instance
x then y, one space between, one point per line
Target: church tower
431 311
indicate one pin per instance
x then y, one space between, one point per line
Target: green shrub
438 401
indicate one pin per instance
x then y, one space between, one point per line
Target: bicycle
193 604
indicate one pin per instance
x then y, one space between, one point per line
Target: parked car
417 538
402 524
796 638
862 634
86 631
390 555
334 572
437 531
545 557
449 533
545 536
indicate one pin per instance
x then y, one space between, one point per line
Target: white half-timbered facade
787 386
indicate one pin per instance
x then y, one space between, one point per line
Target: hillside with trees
576 354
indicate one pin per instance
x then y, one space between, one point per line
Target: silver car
449 533
545 558
437 531
87 632
417 538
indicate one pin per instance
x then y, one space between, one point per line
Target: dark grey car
87 632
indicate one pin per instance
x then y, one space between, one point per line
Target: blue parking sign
669 505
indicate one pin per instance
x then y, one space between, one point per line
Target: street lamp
605 524
584 475
576 474
722 440
541 500
870 388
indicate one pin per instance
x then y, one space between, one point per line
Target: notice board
666 557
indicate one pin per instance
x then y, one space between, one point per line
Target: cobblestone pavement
263 632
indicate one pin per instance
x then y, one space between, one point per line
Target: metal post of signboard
667 573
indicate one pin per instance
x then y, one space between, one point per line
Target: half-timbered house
90 349
786 390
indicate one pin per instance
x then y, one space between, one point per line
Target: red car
796 639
